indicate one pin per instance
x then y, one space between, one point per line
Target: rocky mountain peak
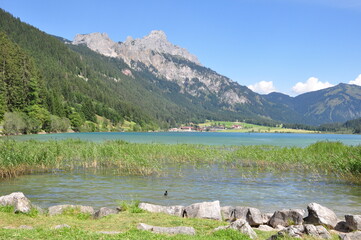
157 34
156 41
98 42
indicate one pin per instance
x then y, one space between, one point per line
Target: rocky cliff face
165 60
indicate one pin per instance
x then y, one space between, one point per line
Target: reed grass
22 157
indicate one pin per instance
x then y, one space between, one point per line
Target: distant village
197 128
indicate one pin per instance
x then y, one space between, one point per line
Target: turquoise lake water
266 190
208 138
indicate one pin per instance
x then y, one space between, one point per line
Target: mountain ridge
166 89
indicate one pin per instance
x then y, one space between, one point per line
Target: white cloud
263 87
312 84
357 81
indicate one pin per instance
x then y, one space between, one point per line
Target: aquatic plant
22 157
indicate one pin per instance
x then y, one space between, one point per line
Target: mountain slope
335 104
194 83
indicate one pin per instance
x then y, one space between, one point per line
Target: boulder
167 230
239 213
342 226
320 215
58 209
18 200
265 228
266 217
240 225
104 211
351 236
226 212
286 218
353 222
295 231
254 217
172 210
317 231
208 210
298 231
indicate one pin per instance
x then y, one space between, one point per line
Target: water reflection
239 187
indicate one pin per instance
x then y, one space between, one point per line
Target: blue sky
290 46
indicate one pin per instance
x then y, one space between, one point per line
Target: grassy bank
125 222
17 157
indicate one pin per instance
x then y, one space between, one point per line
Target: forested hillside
69 88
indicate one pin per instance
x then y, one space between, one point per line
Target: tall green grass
21 157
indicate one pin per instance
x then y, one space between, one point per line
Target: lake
268 191
207 138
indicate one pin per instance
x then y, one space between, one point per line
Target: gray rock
342 226
61 226
243 226
254 217
239 213
286 218
208 210
353 222
265 228
172 210
109 232
167 230
104 211
350 236
295 231
26 227
320 215
18 200
226 212
266 217
58 209
317 231
240 225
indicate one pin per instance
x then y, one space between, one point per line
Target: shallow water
208 138
267 191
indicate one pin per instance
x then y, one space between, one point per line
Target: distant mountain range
155 83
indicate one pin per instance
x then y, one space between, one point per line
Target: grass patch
21 157
132 206
125 222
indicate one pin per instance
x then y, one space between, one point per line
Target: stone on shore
240 225
226 212
351 236
167 230
286 218
104 211
266 217
298 231
265 228
172 210
254 217
207 210
18 200
317 231
58 209
320 215
353 222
